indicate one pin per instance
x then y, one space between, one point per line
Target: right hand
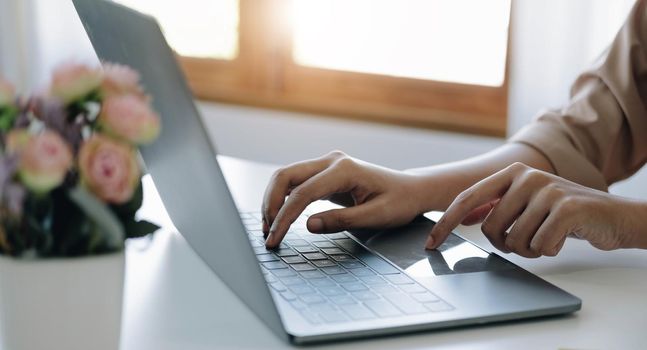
375 196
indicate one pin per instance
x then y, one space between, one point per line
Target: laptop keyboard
330 278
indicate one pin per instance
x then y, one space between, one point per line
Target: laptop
313 288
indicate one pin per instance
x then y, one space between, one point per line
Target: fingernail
315 225
430 242
268 240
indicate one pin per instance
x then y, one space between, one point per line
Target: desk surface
172 299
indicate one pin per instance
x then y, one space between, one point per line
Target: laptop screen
182 161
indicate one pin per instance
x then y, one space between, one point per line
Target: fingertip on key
429 245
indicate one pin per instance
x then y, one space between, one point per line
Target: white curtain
552 42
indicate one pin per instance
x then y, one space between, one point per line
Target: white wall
553 40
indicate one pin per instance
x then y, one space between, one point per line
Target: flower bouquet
70 186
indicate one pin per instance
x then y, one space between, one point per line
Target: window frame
264 74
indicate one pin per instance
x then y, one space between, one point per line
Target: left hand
543 210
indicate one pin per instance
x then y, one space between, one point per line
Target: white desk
174 301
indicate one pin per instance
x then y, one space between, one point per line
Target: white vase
67 303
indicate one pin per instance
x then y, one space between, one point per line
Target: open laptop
314 287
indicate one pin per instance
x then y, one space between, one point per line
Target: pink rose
108 169
44 159
7 93
120 80
129 118
72 81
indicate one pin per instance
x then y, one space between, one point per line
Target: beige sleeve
600 136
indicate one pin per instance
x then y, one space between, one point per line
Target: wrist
434 192
636 230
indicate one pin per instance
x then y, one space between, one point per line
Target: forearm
440 184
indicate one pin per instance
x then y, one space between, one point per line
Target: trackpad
404 247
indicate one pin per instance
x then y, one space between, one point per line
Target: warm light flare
462 41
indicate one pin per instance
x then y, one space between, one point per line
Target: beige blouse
600 136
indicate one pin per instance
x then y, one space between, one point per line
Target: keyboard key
289 296
257 226
322 282
314 256
294 259
260 250
358 312
353 287
382 308
301 289
310 317
285 252
365 295
342 257
257 215
353 264
325 244
266 257
345 278
245 216
278 286
256 244
373 280
312 299
383 288
312 274
333 316
258 234
269 278
331 291
324 263
303 267
298 304
399 279
413 288
333 270
293 280
332 251
297 242
406 304
343 300
313 238
318 308
438 306
425 297
283 273
362 272
339 235
273 265
306 249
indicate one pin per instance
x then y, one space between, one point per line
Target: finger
484 191
524 229
479 214
551 234
317 187
367 215
282 182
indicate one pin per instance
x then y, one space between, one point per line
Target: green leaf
7 117
136 229
102 216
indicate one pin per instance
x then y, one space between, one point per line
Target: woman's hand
543 209
376 196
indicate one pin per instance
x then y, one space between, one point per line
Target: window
431 63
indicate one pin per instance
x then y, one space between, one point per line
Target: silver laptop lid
182 161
